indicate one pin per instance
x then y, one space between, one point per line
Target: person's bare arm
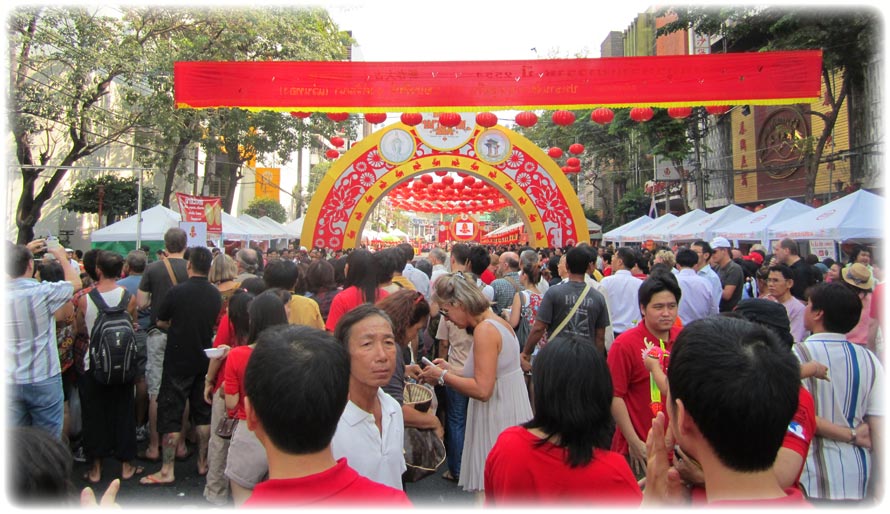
143 299
728 292
515 311
787 467
636 446
486 347
422 420
71 275
600 339
876 481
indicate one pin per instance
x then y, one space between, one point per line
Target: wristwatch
442 377
852 435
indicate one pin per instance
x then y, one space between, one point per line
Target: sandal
152 480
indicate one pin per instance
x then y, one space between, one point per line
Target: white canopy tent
615 233
502 230
636 234
278 230
261 231
294 228
702 228
859 216
155 222
233 228
594 229
370 234
399 234
755 226
661 233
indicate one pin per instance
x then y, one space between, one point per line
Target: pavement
432 491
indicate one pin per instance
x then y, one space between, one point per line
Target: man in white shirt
697 300
437 258
704 269
622 289
841 465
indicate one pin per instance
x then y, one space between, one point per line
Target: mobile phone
426 361
52 242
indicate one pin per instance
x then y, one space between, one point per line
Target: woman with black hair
361 286
322 285
562 455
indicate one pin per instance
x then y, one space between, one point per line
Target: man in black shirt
189 313
787 253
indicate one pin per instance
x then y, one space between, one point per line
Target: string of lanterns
447 195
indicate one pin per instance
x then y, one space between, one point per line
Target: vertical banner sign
267 181
442 235
206 209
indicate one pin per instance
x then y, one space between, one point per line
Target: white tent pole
139 211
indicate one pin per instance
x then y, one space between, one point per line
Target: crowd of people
690 375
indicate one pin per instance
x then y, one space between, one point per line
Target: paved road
188 491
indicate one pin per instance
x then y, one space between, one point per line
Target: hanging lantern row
332 154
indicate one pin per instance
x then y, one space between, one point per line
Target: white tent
755 226
702 228
233 228
294 229
370 234
258 229
278 230
635 234
503 230
155 222
661 233
857 216
399 234
615 233
594 228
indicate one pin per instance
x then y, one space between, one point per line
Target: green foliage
632 205
316 173
260 207
118 198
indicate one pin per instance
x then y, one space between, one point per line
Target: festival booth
594 230
120 237
511 234
636 234
703 228
755 226
661 233
234 229
403 237
294 228
615 233
857 217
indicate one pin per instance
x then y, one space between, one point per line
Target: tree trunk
229 168
178 156
813 159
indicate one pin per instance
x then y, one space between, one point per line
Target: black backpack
113 342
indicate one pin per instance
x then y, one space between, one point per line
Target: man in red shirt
636 397
297 385
733 389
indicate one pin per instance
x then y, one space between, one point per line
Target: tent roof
857 216
636 234
702 228
755 226
593 227
661 233
615 233
504 230
155 222
294 228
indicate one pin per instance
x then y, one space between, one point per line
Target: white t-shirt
378 457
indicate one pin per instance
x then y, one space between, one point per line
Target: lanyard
654 391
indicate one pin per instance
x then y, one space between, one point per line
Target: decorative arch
502 158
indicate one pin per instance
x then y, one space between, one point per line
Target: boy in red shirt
297 385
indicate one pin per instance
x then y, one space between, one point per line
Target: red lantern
375 117
426 179
565 169
576 149
411 118
573 162
486 119
555 152
468 181
572 169
563 118
441 173
338 141
449 119
602 116
332 154
526 119
717 110
337 116
300 114
448 181
641 114
479 185
678 113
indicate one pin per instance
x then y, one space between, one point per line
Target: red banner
755 78
207 209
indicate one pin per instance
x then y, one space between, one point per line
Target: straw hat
858 275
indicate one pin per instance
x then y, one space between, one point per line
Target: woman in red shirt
246 463
361 286
562 455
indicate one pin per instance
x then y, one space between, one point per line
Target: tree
632 205
118 197
260 207
63 62
848 40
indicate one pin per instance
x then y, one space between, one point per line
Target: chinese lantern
448 181
468 181
563 118
300 114
602 116
565 169
338 116
717 110
526 119
576 149
641 114
441 173
411 118
426 179
571 169
449 119
337 141
332 154
679 113
573 162
375 117
555 152
486 119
